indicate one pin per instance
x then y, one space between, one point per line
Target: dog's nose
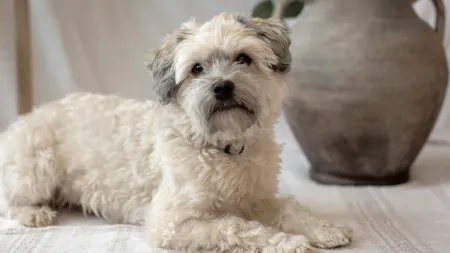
223 90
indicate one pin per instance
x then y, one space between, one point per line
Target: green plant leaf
263 9
293 9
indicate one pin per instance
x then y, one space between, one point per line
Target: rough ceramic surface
369 78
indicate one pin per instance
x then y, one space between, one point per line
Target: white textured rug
412 218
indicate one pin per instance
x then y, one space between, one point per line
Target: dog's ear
276 34
161 63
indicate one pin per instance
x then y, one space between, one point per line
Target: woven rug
105 239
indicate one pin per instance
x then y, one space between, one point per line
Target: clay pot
369 78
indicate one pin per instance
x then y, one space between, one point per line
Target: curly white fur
139 161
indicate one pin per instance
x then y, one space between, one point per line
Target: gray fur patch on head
161 65
276 34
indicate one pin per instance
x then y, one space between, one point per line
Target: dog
198 168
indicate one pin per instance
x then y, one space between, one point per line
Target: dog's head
227 74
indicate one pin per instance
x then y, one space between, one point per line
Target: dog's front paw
330 237
290 244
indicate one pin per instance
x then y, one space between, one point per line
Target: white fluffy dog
200 168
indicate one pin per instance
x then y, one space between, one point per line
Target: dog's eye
197 69
243 59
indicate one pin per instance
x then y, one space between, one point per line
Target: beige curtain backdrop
100 46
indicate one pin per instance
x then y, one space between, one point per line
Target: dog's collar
227 150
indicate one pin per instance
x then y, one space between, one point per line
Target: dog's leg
29 175
225 234
179 222
289 216
28 199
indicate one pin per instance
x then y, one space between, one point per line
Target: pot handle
440 18
279 6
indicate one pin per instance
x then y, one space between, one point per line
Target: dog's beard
235 115
231 116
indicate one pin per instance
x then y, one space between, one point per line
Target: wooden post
23 56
